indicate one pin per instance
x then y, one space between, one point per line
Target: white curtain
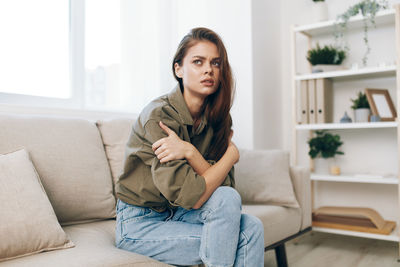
150 31
148 41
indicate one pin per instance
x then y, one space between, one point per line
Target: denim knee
258 226
226 198
252 227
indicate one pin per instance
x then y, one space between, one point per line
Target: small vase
345 118
320 11
361 114
335 170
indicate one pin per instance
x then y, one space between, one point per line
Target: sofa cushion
279 222
94 247
69 156
262 177
115 134
28 223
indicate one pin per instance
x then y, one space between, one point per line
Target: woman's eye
197 62
216 63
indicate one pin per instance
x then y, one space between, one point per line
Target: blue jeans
217 234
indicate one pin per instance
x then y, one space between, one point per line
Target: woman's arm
216 174
172 147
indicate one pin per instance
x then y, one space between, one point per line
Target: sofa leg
280 253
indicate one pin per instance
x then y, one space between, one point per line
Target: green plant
360 102
326 55
318 0
324 145
368 9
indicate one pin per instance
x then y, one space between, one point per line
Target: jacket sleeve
176 179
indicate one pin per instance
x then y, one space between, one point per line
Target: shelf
353 125
392 237
369 72
382 18
354 179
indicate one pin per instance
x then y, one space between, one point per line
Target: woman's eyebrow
201 57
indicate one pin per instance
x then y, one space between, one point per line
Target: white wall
267 93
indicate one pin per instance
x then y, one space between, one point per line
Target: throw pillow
69 156
28 224
262 177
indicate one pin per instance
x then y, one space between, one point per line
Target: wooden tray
352 219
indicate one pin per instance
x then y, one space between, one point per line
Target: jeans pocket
135 213
121 205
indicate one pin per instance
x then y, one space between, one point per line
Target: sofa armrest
302 188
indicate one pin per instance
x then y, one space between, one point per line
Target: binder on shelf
311 101
323 91
304 112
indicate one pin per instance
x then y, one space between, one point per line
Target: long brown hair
216 107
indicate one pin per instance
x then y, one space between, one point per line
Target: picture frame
381 104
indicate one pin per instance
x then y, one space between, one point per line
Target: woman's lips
207 82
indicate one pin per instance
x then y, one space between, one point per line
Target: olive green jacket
147 182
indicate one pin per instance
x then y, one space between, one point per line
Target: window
88 54
102 54
127 53
34 48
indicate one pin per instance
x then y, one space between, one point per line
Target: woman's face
200 69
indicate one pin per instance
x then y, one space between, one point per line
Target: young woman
176 201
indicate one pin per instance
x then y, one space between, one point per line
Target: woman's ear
178 70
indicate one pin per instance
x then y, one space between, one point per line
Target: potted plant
368 10
326 58
320 10
325 145
361 108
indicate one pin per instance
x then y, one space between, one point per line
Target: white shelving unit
392 237
355 179
356 22
339 126
374 72
386 17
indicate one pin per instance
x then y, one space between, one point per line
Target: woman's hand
171 147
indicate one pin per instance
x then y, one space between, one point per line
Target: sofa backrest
69 157
262 177
115 134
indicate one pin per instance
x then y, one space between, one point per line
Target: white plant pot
326 166
361 114
320 166
320 11
326 67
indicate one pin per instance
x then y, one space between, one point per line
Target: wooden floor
315 249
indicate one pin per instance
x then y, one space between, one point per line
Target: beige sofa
78 161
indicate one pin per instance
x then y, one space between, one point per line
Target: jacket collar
175 98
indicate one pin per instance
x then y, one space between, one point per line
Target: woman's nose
208 68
